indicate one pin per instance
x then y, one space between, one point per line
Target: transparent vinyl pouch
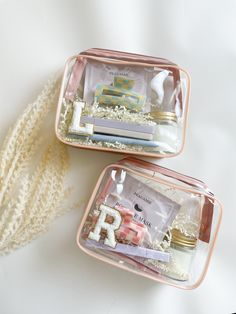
122 102
151 221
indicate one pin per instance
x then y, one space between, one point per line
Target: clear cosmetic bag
122 102
151 221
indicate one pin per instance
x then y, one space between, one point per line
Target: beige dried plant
32 173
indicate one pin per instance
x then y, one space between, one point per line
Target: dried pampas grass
32 173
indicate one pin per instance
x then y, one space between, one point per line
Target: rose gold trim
138 63
107 53
141 273
154 155
165 171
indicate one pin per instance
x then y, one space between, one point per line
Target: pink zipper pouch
151 221
122 102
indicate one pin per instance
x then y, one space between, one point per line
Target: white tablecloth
51 275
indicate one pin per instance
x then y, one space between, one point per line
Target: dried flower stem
31 196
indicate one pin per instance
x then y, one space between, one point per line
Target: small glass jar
167 128
182 250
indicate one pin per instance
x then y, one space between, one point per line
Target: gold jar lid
164 115
183 240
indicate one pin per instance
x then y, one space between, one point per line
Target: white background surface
51 275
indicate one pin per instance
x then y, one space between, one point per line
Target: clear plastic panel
150 227
124 106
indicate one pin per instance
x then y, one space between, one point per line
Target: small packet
150 207
125 78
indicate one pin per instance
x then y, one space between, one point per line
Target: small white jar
182 250
167 128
